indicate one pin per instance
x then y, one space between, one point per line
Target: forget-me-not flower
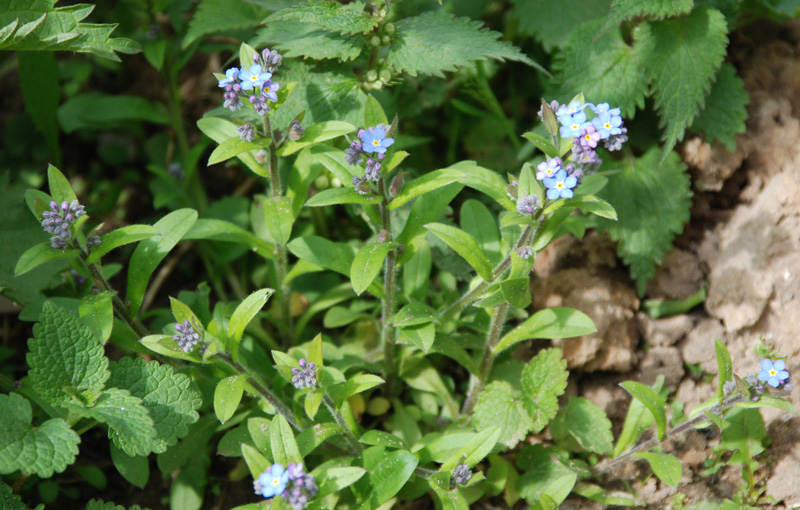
253 77
272 482
375 140
560 186
607 124
230 76
773 373
548 168
572 125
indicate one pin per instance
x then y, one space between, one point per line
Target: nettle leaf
9 500
297 39
341 18
42 450
589 425
623 10
551 22
544 379
725 111
218 15
66 360
681 57
497 405
544 474
606 70
653 203
171 398
436 41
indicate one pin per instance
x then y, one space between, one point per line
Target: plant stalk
477 383
348 434
388 301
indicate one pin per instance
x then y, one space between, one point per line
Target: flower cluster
606 126
58 222
293 484
253 84
461 474
305 376
370 150
187 337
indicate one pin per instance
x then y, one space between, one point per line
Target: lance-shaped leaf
666 467
282 442
97 312
221 230
355 385
314 436
725 367
227 396
388 472
220 130
652 401
40 254
246 311
120 237
278 218
475 450
367 264
548 324
333 196
465 245
637 420
234 146
425 184
317 133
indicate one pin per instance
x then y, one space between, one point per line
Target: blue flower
253 77
560 186
548 168
773 373
272 482
607 124
604 107
230 76
568 110
572 125
375 140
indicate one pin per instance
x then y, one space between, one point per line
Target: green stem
388 301
348 434
478 382
121 309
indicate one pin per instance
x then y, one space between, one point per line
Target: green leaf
296 39
234 146
335 17
725 367
653 203
120 237
256 462
40 254
681 57
436 41
605 69
517 291
357 384
134 469
282 442
152 251
425 184
666 467
60 188
745 435
314 436
220 130
544 379
94 504
388 472
317 133
246 311
414 314
623 10
38 79
334 196
426 209
637 420
545 475
42 450
769 401
328 254
164 344
99 111
374 114
334 479
549 323
97 312
228 395
259 433
652 401
589 426
475 450
497 405
278 218
486 181
367 264
220 230
481 224
465 245
381 438
449 499
551 22
64 357
725 110
220 15
421 336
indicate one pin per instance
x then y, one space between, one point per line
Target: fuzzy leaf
666 467
497 405
367 264
544 379
170 397
551 22
333 16
219 15
99 504
652 401
606 70
549 323
745 435
120 237
653 204
544 474
725 111
296 39
65 359
436 41
681 57
220 130
317 133
622 10
42 450
589 425
465 245
388 472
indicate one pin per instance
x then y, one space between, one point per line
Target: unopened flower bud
397 185
375 40
549 118
296 131
389 28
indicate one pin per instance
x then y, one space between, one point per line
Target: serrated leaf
64 357
545 475
436 41
465 245
544 379
283 445
120 237
549 323
333 16
652 203
296 39
623 10
219 15
681 57
606 70
652 401
152 251
42 450
497 405
551 22
666 467
367 264
589 425
725 111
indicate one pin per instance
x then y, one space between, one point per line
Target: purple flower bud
352 156
461 474
187 337
305 376
362 186
296 131
246 132
529 204
525 252
373 170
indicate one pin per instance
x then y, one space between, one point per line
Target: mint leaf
681 57
653 204
436 41
10 501
497 405
296 39
170 398
726 109
623 10
544 379
99 504
130 425
65 359
219 15
333 16
550 22
606 70
42 450
589 425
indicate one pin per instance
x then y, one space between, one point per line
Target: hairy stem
348 434
388 302
477 383
121 310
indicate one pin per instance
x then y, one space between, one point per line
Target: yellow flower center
376 143
253 77
607 125
560 185
773 372
276 481
575 126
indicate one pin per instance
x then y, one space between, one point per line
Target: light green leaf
724 366
622 10
278 218
465 245
234 146
317 133
745 435
769 401
486 181
725 111
449 499
357 384
60 188
421 336
166 345
42 450
246 311
367 264
497 405
373 113
255 461
334 479
544 379
425 184
481 224
475 450
282 442
414 314
314 436
334 196
97 312
227 396
40 254
221 230
388 472
589 426
335 17
220 130
426 209
328 254
549 323
544 474
381 438
120 237
652 401
517 291
637 420
666 467
259 432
